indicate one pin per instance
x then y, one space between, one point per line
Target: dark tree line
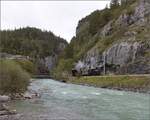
29 41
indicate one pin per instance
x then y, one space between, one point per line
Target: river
61 101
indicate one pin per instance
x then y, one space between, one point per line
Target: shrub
63 68
27 65
13 79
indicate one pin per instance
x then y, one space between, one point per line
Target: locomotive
109 68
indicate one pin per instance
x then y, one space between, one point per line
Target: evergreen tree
30 42
69 52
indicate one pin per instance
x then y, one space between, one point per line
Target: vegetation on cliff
102 29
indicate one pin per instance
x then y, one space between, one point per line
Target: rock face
137 15
122 53
47 63
92 60
107 29
130 57
131 52
50 61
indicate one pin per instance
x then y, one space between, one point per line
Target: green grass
119 82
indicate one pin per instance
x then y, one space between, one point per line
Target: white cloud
60 17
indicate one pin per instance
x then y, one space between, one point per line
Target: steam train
95 71
89 72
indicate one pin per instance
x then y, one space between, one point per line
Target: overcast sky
60 17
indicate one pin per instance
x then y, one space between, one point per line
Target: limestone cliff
124 41
131 50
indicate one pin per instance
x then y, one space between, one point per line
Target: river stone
5 112
10 117
1 107
28 95
31 95
4 98
4 107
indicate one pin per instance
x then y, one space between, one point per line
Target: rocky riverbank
5 112
8 114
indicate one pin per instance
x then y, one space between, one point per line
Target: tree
69 52
30 42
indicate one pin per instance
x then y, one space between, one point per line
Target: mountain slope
30 42
43 47
120 36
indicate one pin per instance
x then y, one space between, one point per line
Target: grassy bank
131 83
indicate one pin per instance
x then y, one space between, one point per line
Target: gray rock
27 95
11 117
50 61
47 63
129 56
31 95
6 112
107 29
4 98
138 16
121 53
91 60
130 33
122 20
126 52
3 107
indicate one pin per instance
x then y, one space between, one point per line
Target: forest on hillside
30 41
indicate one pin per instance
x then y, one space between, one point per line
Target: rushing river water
60 101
